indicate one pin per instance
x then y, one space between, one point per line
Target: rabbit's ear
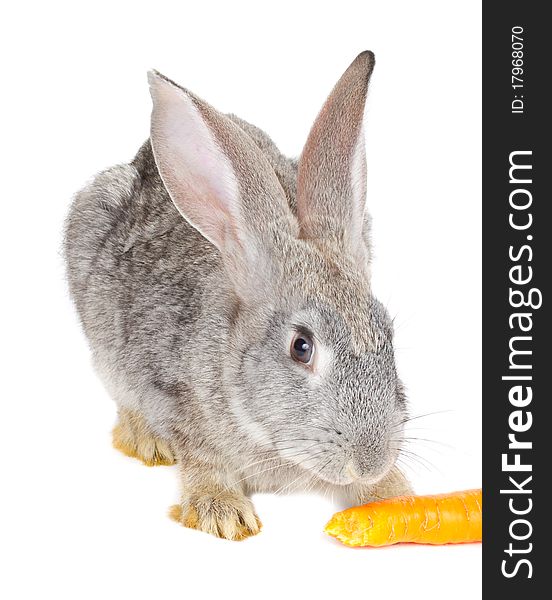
217 178
331 181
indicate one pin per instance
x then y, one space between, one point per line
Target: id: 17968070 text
517 70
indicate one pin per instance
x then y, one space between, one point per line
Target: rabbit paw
132 437
224 514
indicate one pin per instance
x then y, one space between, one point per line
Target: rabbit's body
189 330
147 285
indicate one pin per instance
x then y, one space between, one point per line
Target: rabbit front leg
214 503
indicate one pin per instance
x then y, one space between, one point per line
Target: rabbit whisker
278 466
423 416
414 440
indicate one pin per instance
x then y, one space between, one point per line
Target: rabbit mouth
344 472
348 475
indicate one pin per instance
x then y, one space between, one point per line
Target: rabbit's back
136 270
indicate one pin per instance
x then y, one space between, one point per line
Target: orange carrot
442 519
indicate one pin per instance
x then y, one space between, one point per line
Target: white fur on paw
225 514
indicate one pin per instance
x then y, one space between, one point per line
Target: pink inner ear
196 172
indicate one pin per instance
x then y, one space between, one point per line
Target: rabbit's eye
302 348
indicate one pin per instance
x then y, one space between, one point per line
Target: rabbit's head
310 360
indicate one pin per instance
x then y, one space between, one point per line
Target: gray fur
203 357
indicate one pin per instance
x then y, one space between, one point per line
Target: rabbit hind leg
133 437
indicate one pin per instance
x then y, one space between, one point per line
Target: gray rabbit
225 293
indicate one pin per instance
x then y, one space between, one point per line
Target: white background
79 520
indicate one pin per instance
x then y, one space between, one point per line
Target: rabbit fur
192 268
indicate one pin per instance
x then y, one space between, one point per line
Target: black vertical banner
517 269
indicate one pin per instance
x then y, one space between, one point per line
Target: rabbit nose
352 471
367 462
358 469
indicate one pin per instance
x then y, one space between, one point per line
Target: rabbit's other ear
217 178
331 181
